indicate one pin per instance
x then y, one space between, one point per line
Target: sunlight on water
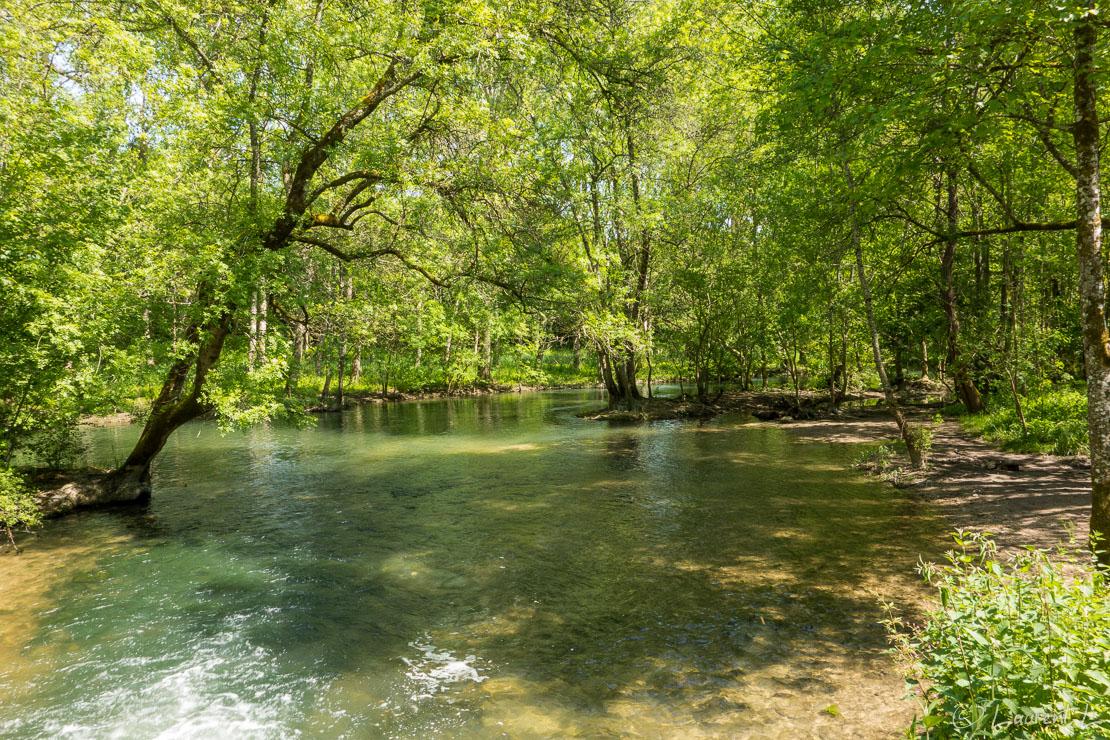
435 669
468 568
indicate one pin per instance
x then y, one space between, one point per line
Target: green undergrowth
1009 649
882 461
1056 422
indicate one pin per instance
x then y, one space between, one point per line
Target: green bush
57 441
1014 650
18 509
1056 421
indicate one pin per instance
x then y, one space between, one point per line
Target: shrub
18 509
1014 650
57 441
878 459
882 462
923 435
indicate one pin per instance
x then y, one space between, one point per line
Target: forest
258 212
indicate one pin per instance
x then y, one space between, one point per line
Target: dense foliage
18 509
1010 650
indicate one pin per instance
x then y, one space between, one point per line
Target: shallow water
473 568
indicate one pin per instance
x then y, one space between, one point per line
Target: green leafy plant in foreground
1019 649
18 509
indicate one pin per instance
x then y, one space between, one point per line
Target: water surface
470 568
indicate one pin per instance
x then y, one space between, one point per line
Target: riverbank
1023 499
467 391
1035 500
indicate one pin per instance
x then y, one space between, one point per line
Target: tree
313 165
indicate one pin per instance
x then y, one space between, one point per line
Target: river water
467 568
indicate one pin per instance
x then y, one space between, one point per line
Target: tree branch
368 254
298 199
994 193
184 36
1042 134
370 177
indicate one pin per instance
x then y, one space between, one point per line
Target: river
468 568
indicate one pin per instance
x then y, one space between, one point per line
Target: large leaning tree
272 128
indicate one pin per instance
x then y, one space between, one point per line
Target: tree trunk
342 372
624 392
348 286
173 407
1092 285
293 377
605 368
965 387
419 333
485 370
624 368
701 380
982 255
263 325
904 429
1004 298
326 390
252 333
176 406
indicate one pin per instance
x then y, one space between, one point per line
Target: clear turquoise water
491 567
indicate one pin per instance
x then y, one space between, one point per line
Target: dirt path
1023 499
